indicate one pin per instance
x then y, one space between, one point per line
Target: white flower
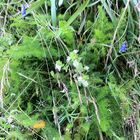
68 59
75 63
57 67
82 81
85 83
13 94
75 75
13 126
9 120
75 51
86 68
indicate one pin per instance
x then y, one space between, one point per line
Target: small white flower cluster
75 63
58 65
82 81
86 68
73 56
9 120
79 69
68 59
76 51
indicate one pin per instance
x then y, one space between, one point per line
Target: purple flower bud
23 10
122 48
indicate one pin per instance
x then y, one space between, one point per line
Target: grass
62 75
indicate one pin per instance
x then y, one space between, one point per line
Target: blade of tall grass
130 16
72 5
116 31
76 14
94 3
134 2
53 12
35 5
108 10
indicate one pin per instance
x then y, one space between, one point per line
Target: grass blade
108 10
53 12
80 10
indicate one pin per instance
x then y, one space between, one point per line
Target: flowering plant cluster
80 71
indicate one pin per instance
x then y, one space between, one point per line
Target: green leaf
66 32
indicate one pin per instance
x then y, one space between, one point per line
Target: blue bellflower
122 48
23 10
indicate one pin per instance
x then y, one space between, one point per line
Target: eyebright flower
23 10
76 51
86 68
58 65
9 120
13 126
123 48
85 83
82 81
68 59
75 63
